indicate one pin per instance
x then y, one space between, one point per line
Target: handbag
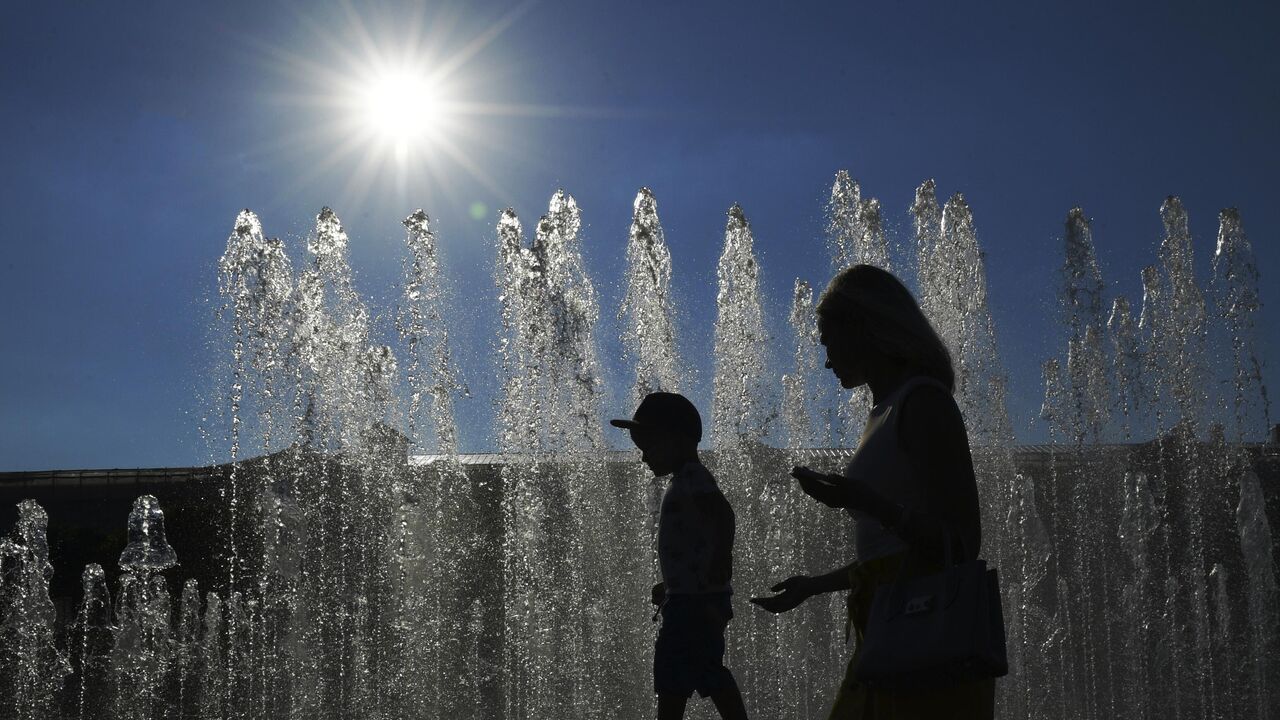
933 630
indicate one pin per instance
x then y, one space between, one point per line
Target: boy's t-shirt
695 534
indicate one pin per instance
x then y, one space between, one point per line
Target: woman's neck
884 380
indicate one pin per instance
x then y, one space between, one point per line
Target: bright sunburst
402 108
405 100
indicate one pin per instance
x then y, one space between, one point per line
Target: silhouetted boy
695 554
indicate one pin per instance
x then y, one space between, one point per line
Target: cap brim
625 424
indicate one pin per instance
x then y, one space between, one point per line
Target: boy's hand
826 489
659 594
791 592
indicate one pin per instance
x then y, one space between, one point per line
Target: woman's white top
882 464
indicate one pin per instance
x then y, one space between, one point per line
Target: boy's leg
671 707
728 701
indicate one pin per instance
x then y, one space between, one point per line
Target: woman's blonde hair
879 310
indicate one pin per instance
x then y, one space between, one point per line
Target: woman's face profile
844 357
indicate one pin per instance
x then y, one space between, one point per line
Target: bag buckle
918 605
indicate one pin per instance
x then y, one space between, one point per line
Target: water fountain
363 580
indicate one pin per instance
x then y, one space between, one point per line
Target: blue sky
132 134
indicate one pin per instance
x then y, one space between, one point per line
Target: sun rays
394 103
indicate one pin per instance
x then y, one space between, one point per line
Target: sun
402 108
400 103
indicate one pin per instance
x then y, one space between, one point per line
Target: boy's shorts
689 652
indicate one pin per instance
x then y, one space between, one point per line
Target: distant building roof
1022 455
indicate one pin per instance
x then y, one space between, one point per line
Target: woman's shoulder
925 392
927 408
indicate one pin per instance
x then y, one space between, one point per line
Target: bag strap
947 555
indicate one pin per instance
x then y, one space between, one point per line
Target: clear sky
132 133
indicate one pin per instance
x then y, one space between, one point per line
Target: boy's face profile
660 450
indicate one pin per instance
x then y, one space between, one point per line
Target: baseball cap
671 412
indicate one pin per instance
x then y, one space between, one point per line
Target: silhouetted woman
909 482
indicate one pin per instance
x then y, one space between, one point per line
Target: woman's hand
829 490
790 593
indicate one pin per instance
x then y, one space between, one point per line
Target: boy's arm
725 528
